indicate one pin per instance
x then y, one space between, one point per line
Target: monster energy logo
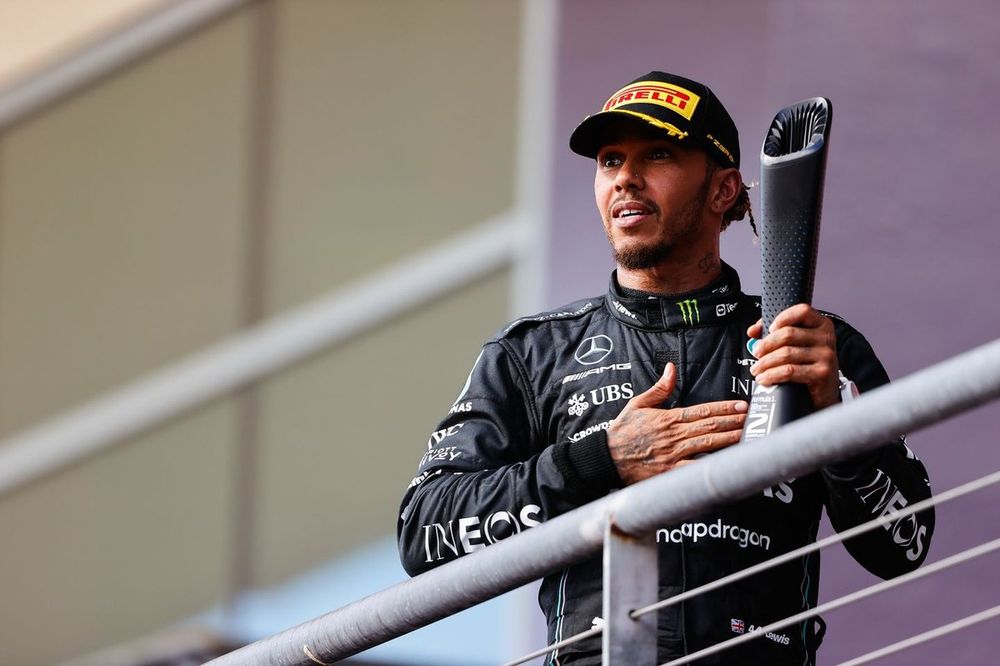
689 310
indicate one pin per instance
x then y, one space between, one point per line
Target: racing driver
564 407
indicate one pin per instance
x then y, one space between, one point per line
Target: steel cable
953 493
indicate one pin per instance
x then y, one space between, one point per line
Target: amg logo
596 371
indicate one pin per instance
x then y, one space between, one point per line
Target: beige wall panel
118 546
342 435
33 34
120 225
395 128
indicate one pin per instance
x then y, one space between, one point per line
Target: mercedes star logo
593 350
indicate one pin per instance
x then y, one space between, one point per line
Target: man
567 406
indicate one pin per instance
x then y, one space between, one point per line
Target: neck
673 276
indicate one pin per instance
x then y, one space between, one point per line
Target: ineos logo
593 350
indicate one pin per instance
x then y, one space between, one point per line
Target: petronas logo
689 311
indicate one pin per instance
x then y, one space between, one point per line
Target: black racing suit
526 441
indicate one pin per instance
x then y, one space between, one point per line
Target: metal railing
623 524
256 353
41 89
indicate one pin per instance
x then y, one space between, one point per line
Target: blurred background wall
293 147
281 151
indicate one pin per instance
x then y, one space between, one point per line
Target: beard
678 229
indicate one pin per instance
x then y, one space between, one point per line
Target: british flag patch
737 626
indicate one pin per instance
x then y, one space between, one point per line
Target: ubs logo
593 350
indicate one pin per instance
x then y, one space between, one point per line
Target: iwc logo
593 350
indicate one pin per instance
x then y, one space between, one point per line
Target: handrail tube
256 353
876 523
927 396
107 54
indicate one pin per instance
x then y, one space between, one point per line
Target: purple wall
911 236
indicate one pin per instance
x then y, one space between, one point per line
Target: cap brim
592 134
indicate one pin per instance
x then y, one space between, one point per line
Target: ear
728 183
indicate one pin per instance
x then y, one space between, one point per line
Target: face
652 196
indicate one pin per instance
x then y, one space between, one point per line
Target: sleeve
487 472
878 483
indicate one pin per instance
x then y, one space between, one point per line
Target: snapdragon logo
717 530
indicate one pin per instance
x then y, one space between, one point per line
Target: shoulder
576 311
841 326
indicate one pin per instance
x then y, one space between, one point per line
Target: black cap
685 110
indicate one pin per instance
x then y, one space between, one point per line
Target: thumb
658 393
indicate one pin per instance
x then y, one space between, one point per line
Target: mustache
632 199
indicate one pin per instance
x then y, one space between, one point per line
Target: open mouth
630 211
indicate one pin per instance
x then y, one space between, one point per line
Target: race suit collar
703 307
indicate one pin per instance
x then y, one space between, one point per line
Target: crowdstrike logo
474 534
743 537
689 310
593 350
589 430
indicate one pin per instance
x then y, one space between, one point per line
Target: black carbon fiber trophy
792 168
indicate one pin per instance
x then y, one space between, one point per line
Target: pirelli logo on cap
675 98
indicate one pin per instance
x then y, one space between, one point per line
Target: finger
712 442
792 356
718 424
795 336
660 391
794 374
798 315
708 410
756 329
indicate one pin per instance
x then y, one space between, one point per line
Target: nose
629 177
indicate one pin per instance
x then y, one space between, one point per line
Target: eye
609 160
659 154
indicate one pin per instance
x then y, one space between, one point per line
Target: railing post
631 575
